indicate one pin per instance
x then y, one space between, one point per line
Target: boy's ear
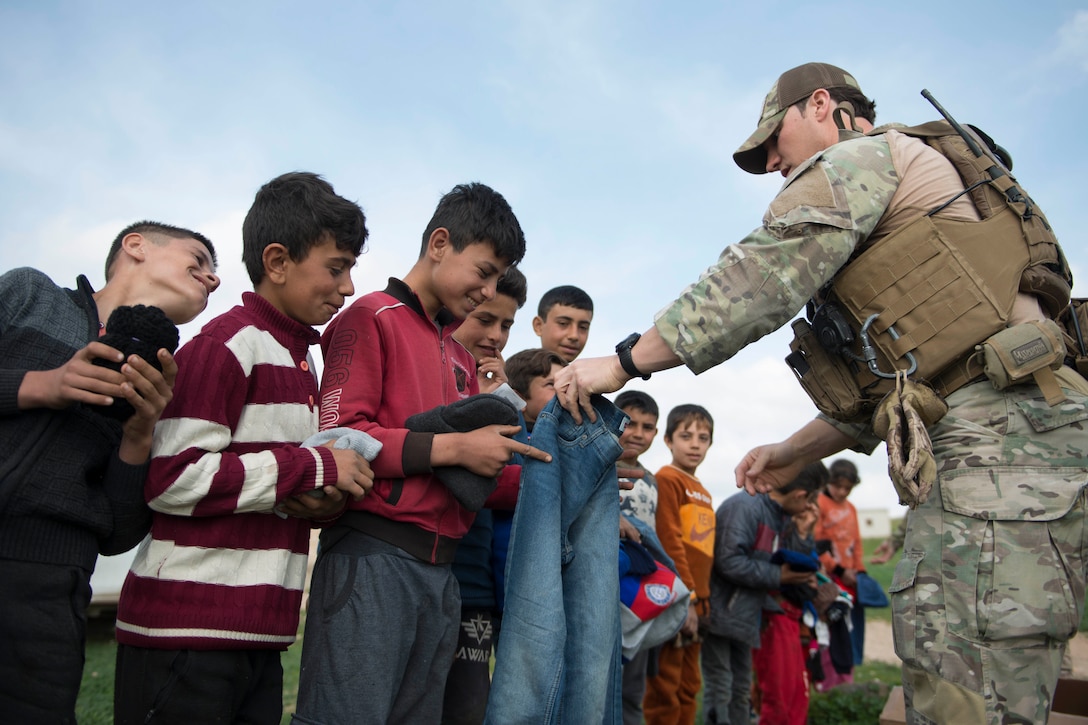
438 244
135 245
275 258
538 325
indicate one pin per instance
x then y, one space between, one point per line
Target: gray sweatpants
381 630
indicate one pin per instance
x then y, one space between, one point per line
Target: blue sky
609 126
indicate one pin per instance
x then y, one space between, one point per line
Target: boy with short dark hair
750 529
685 526
484 333
532 376
384 606
72 479
213 595
562 321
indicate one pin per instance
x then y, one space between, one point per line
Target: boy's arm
352 384
194 474
669 532
352 388
858 564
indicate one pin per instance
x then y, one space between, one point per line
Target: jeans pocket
1012 562
904 605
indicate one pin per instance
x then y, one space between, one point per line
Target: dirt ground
878 646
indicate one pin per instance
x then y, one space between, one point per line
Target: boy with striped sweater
214 593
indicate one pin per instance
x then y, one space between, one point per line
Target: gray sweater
65 496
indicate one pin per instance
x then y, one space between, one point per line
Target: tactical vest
921 299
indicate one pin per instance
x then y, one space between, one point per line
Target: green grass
882 573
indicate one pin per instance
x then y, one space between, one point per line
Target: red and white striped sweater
220 570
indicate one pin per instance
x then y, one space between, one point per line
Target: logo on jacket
659 594
698 537
477 628
461 377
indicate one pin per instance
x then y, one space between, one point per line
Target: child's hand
77 381
353 474
484 451
629 531
491 373
806 520
147 391
628 475
882 553
789 576
306 506
690 627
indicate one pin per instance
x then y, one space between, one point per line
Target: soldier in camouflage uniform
991 583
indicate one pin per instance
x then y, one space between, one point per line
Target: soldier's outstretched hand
768 467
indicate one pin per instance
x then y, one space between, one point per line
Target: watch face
628 342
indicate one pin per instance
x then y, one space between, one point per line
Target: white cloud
1072 43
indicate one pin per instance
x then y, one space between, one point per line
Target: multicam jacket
844 197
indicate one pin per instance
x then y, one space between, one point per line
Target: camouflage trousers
992 580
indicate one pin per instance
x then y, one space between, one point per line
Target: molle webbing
937 286
1046 274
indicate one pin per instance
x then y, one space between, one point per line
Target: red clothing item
779 663
220 569
839 524
685 526
385 360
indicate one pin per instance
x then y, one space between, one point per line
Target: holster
826 378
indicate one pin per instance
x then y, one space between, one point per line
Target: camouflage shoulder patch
848 186
811 188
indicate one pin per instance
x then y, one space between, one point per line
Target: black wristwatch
624 351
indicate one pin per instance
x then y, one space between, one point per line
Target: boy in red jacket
385 607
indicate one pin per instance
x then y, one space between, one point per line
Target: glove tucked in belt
901 419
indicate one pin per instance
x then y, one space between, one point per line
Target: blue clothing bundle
558 658
653 598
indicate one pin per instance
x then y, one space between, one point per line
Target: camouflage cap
792 86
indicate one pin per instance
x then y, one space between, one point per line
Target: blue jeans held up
558 658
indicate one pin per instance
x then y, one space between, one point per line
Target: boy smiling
383 581
214 593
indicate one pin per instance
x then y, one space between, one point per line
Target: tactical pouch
826 379
1031 350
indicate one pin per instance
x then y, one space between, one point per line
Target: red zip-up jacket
386 360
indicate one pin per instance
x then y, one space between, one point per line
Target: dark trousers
469 681
197 686
43 630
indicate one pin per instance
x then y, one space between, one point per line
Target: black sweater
65 496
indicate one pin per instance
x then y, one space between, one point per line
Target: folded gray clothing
362 443
470 489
